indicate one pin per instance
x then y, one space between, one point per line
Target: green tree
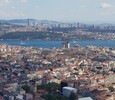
72 96
26 88
50 97
63 98
50 87
40 87
111 88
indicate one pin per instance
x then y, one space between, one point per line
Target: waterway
58 43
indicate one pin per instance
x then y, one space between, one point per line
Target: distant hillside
4 23
4 26
25 21
31 35
17 20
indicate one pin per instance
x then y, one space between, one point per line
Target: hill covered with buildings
52 30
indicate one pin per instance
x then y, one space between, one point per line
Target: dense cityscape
50 30
79 73
57 49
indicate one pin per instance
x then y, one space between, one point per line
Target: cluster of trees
30 35
54 92
28 88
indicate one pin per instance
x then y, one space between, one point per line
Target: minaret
28 22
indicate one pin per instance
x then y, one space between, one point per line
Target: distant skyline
91 11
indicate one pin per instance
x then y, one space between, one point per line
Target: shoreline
58 43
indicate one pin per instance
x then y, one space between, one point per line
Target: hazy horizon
84 11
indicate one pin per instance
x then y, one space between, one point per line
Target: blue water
58 43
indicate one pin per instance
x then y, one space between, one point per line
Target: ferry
22 43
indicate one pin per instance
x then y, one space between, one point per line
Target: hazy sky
59 10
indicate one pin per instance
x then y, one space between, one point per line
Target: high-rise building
28 22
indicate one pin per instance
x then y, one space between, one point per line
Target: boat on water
22 43
75 41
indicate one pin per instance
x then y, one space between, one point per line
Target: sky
59 10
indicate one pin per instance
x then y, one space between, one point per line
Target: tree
72 96
63 98
111 88
26 88
50 87
50 97
40 87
